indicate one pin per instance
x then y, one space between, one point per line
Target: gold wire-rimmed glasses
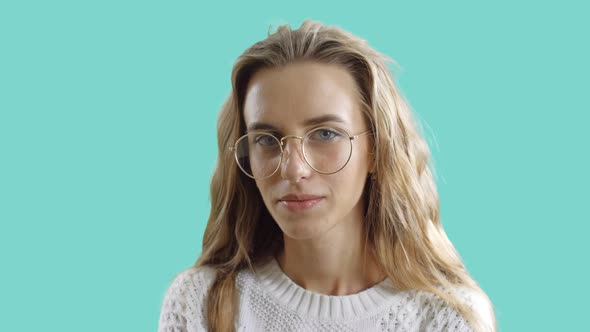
326 150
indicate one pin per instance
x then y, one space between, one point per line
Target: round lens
327 150
258 154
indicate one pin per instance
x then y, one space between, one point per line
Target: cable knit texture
270 301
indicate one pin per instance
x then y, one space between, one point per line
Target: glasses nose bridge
284 139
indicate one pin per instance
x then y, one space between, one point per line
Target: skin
323 249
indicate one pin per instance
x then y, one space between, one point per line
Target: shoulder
480 303
195 279
444 315
184 300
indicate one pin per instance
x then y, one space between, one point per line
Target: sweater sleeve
183 304
447 318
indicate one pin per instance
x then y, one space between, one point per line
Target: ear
372 164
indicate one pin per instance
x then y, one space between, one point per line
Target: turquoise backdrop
108 112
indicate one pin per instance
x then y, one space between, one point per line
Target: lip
299 202
299 197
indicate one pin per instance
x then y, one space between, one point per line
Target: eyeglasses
327 150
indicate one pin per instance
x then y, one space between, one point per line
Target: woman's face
292 101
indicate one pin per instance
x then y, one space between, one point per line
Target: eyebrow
307 123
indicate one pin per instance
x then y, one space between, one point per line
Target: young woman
324 213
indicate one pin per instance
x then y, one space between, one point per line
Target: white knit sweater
270 301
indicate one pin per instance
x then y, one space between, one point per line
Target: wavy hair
402 221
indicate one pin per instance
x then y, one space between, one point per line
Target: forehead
288 97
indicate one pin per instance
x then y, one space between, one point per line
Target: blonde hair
402 216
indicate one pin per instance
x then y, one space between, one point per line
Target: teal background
107 144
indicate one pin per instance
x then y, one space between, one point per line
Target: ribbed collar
315 305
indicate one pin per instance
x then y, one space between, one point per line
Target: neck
337 263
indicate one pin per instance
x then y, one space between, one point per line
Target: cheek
266 190
350 181
263 188
356 168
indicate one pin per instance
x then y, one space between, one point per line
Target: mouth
299 203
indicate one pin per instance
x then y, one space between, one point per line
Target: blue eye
324 134
265 140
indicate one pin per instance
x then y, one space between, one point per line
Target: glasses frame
301 139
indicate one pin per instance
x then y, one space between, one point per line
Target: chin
298 234
304 228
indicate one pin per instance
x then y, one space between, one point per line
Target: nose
294 168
